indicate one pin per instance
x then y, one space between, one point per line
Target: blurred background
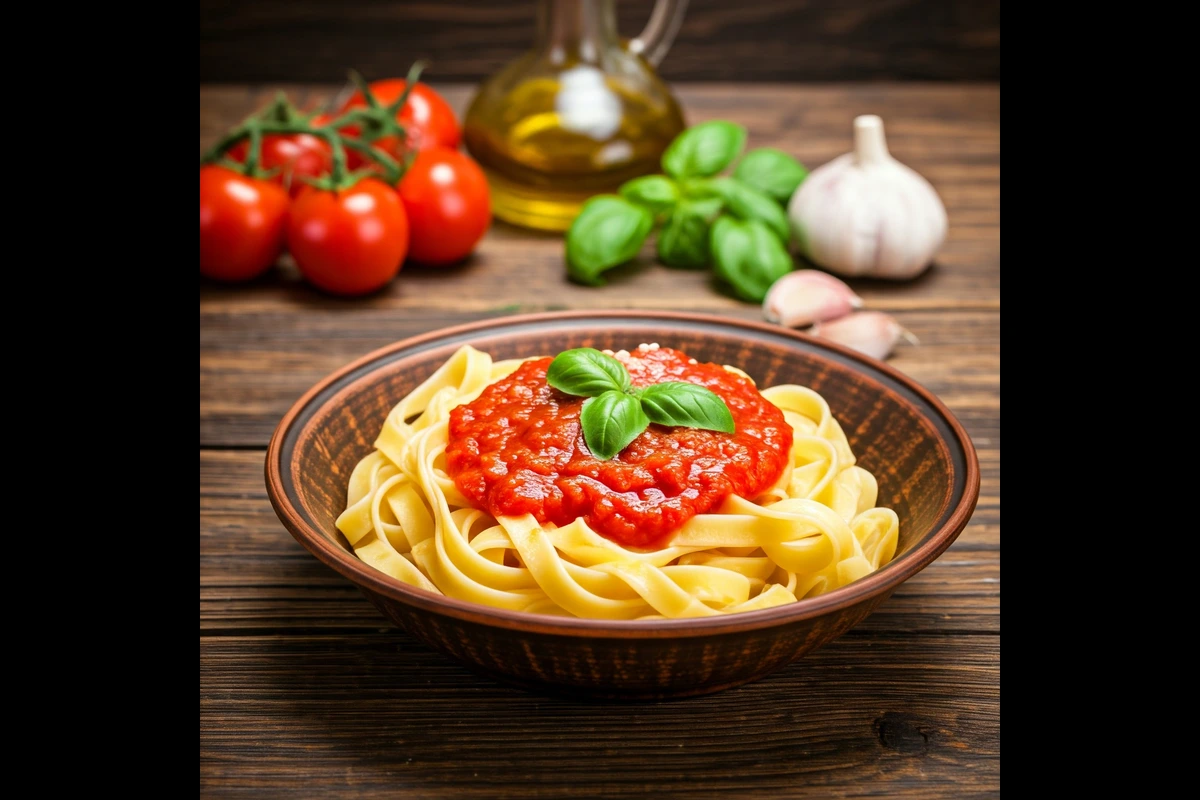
467 40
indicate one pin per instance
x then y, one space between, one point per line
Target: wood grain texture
306 688
242 399
375 715
791 40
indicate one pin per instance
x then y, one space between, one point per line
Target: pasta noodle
818 528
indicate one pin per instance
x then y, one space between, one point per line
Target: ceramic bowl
923 459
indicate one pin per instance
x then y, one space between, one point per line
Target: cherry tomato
242 224
349 242
296 155
449 208
428 118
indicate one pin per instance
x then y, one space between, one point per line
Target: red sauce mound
518 449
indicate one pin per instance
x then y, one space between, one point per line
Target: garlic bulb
865 213
806 296
870 332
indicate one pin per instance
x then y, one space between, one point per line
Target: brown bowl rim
883 580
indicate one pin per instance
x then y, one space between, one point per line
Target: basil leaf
708 207
610 422
700 189
586 372
773 172
683 241
704 149
608 231
748 256
749 203
656 193
686 404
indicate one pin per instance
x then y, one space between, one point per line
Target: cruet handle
654 42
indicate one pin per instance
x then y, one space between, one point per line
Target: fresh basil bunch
748 250
615 413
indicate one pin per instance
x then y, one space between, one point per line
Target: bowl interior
907 442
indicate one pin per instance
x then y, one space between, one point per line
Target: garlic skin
806 296
870 332
866 214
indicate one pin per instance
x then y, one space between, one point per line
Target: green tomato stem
361 84
393 170
281 117
254 149
410 80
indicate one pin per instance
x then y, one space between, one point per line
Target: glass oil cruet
578 115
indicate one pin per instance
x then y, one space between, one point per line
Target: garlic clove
870 332
806 296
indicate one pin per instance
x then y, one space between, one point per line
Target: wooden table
306 689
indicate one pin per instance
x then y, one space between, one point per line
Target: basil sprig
704 149
610 422
686 405
656 193
608 231
615 413
586 372
683 241
748 257
772 172
746 202
693 206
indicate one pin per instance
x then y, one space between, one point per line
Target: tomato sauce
519 449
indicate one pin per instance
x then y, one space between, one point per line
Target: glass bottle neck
576 29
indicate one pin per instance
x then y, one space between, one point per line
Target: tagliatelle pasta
815 529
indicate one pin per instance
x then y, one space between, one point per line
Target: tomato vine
374 121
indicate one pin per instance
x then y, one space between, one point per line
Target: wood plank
471 39
375 715
811 120
254 365
965 276
814 116
256 579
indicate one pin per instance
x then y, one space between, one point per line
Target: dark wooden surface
305 689
792 40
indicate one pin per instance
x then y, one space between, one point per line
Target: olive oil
578 115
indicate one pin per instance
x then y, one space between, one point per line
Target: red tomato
349 242
242 224
296 155
446 196
427 117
